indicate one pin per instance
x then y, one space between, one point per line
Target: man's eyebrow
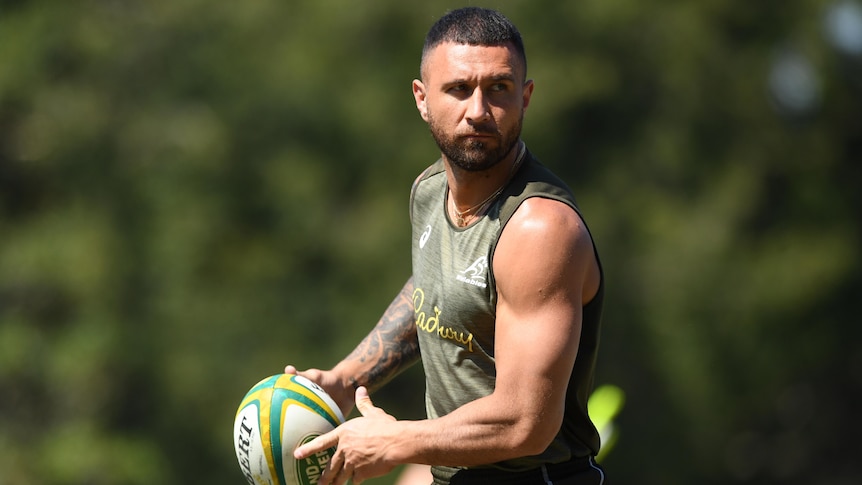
503 77
498 77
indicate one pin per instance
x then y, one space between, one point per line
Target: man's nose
477 110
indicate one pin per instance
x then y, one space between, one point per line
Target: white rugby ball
277 415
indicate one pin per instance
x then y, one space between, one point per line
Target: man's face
473 98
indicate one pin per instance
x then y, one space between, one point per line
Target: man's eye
499 87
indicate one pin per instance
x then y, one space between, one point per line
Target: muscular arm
389 348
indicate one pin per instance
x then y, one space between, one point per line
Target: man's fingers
322 442
333 470
340 477
290 370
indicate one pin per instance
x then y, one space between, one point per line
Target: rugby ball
276 416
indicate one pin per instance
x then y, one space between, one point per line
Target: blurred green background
195 193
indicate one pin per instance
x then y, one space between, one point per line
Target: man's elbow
535 435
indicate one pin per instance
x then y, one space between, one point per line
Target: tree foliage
194 194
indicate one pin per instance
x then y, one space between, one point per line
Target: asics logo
424 237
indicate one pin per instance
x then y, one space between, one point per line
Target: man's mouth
479 134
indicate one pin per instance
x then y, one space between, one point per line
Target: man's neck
469 188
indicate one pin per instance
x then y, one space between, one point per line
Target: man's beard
475 155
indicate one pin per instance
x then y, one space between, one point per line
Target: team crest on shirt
476 273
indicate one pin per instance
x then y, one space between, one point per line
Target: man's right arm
391 347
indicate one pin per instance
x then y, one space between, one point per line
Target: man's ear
528 93
420 95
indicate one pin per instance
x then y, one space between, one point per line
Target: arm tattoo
392 346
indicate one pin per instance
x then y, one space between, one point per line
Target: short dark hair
475 26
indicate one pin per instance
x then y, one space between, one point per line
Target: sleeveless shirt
455 307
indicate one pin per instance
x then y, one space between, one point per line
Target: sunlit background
195 193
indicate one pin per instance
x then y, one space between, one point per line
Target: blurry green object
604 405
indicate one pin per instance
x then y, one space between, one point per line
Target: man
504 303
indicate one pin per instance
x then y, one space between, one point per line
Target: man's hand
341 394
361 443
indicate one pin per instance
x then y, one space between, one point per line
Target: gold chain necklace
461 216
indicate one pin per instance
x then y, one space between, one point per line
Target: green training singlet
455 305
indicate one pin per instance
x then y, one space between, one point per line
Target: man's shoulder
538 174
535 180
420 187
436 168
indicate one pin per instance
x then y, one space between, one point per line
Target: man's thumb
363 400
